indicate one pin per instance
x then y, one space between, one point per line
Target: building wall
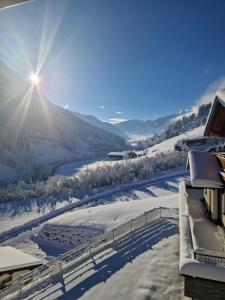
223 208
203 289
211 199
214 204
207 197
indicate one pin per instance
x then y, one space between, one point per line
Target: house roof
117 153
14 259
8 3
215 125
204 170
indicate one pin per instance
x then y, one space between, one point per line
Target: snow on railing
84 252
205 257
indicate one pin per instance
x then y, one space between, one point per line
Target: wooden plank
8 3
203 289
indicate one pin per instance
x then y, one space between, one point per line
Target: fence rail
210 258
82 253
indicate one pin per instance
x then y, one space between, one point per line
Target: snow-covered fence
77 256
214 258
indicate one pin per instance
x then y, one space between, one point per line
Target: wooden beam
8 3
203 289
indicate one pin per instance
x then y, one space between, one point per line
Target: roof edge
219 100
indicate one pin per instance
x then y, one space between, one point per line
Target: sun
35 79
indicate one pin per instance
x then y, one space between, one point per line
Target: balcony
202 247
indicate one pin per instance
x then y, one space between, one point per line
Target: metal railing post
146 218
20 287
123 231
90 246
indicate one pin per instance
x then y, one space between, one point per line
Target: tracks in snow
11 233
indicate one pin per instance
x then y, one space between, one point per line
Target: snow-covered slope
146 128
168 145
26 116
103 125
141 267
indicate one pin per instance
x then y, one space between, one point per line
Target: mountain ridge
101 124
147 127
28 120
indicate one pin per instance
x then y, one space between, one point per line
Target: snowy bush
90 179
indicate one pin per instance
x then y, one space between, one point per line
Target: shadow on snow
118 256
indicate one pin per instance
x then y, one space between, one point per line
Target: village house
202 215
121 155
14 263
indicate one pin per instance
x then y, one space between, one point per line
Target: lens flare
35 79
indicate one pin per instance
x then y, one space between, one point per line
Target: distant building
121 155
14 262
194 142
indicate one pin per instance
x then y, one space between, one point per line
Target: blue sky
119 59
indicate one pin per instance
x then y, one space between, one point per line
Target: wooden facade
215 125
8 3
203 289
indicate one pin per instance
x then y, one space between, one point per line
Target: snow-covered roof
14 259
8 3
195 138
117 153
204 170
215 125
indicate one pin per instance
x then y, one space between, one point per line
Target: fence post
113 233
146 218
160 215
90 246
20 287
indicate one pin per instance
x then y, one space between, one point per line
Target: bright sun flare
35 79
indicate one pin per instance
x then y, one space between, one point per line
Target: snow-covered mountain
146 128
35 133
103 125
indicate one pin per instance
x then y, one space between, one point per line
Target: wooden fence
77 256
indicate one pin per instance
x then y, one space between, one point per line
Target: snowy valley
66 196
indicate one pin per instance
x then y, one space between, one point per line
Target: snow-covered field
80 226
150 272
69 169
151 275
168 145
139 271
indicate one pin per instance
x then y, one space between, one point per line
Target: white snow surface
12 258
48 153
79 226
200 223
168 145
113 214
18 213
68 169
151 274
148 274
